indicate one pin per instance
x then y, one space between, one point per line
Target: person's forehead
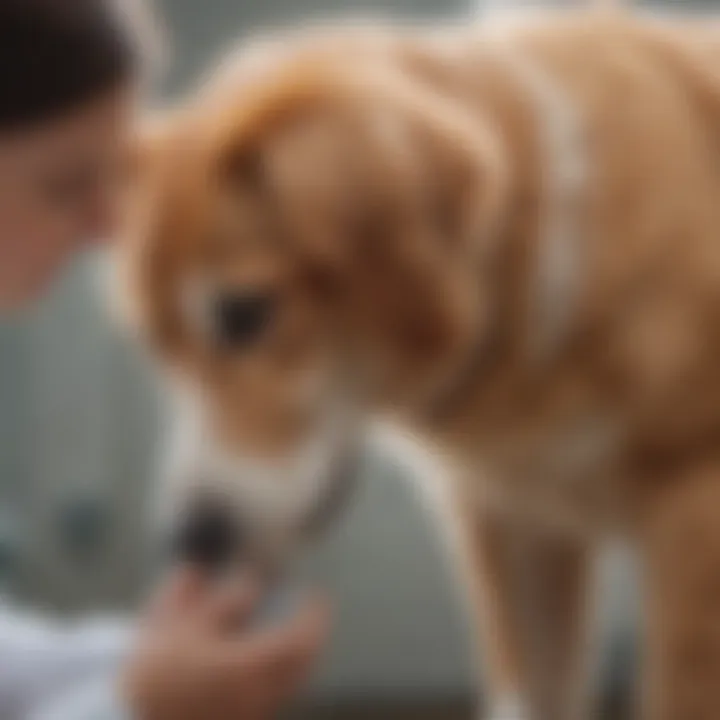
85 129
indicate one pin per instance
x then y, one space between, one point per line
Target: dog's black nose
241 318
208 536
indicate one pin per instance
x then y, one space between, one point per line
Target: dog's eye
240 319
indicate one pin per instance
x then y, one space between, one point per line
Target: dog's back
623 254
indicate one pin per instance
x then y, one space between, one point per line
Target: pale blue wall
202 27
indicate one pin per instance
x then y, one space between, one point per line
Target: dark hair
56 55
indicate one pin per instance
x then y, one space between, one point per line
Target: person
70 76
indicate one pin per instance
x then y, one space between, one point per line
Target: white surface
43 664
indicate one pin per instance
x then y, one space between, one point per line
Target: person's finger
268 666
230 603
310 636
292 672
176 594
286 648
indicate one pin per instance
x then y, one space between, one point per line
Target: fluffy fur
506 239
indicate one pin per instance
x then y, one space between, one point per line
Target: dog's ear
426 217
461 172
386 154
352 158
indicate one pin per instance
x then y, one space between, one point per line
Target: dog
503 238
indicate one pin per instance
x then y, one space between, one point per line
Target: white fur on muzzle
276 501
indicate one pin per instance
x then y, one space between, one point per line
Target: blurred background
78 421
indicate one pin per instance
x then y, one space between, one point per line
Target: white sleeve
41 660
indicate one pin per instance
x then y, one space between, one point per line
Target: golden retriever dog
504 238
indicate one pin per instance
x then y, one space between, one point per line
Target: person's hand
196 660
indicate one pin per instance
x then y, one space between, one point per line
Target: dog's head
301 247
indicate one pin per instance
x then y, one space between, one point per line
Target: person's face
58 185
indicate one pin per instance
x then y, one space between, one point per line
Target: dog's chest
563 473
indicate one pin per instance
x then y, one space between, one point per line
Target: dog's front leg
681 551
529 593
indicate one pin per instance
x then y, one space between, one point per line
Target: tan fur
393 187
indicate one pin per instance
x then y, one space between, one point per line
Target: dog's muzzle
212 534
